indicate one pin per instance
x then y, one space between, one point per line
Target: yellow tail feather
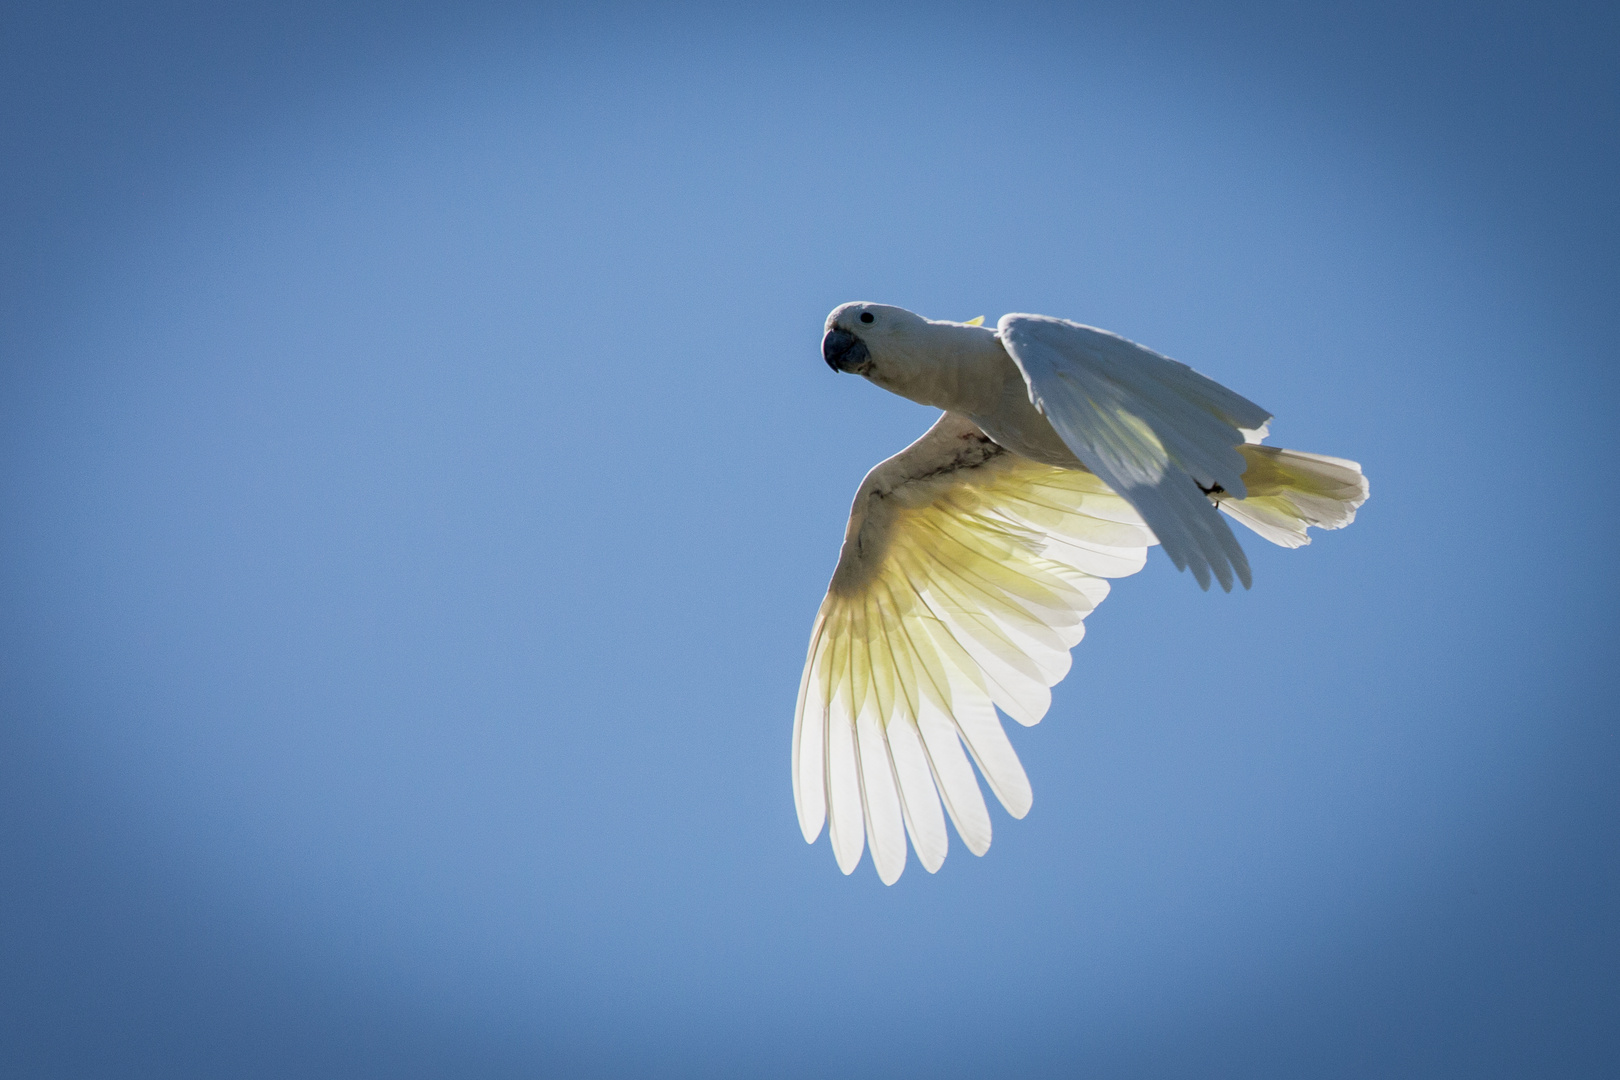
1289 490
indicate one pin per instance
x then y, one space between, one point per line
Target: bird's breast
1014 422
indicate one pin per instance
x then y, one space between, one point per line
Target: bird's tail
1289 490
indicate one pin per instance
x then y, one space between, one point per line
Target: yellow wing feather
962 587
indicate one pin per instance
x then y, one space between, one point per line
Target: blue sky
421 476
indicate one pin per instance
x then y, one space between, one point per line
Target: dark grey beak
843 351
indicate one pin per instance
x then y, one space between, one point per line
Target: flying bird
973 556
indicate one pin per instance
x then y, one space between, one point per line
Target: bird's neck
961 369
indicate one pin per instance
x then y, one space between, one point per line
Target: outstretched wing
965 575
1152 428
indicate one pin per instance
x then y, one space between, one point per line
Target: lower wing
965 575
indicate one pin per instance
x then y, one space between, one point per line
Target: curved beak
843 351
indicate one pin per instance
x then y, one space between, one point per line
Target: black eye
866 316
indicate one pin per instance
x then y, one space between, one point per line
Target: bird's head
875 340
949 365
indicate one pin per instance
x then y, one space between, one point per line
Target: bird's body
972 556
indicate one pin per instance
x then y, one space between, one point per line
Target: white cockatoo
973 556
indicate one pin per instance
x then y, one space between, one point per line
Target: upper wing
964 577
1154 429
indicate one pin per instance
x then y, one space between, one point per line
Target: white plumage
973 556
1147 425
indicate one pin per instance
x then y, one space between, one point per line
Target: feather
966 575
1289 490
